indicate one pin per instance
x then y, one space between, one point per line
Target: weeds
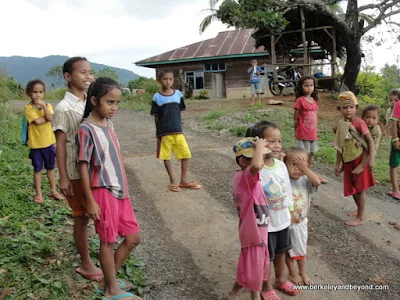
214 115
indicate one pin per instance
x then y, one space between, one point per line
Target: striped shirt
67 117
99 147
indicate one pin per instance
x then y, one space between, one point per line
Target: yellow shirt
39 136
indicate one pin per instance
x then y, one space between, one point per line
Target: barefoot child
41 138
352 137
251 204
255 83
105 185
166 108
393 129
304 183
67 117
276 185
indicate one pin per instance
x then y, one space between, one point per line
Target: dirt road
190 239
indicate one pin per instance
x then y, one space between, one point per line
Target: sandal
287 288
56 196
94 277
174 187
38 200
394 195
125 295
122 285
192 185
270 295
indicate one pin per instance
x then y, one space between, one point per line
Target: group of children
272 192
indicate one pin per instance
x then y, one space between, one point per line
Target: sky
116 34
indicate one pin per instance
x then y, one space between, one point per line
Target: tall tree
106 72
356 22
56 73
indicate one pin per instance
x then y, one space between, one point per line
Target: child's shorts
278 242
253 267
309 146
173 142
46 156
77 201
116 216
255 88
356 183
298 236
394 158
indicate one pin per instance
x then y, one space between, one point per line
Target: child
68 115
41 138
370 115
255 84
276 185
352 137
393 128
166 107
393 97
105 185
251 204
304 182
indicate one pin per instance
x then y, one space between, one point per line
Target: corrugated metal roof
235 43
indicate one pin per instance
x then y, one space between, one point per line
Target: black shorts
279 242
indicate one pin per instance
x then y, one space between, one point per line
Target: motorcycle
284 74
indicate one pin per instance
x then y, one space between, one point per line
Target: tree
355 23
106 72
56 73
137 83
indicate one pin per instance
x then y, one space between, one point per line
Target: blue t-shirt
168 110
254 77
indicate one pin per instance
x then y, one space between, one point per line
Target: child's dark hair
162 73
370 108
293 150
258 129
299 87
395 93
31 84
68 66
98 89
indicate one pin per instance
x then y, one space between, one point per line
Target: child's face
308 86
108 104
254 62
293 169
244 162
392 101
348 111
81 76
37 93
371 118
274 141
167 80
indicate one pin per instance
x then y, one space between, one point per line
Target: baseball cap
246 148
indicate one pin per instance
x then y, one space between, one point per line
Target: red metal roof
226 44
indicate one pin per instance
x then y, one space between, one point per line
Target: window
215 67
195 79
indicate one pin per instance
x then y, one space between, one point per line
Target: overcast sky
116 33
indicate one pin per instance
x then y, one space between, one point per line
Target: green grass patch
37 253
214 115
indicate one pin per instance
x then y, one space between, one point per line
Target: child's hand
66 187
259 143
300 163
41 103
396 145
93 210
338 170
371 165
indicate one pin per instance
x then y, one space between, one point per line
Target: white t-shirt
276 185
302 190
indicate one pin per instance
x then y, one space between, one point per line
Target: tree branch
381 17
376 6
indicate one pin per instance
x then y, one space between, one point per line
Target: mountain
24 69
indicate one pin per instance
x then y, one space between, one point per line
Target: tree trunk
353 64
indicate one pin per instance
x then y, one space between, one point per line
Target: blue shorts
46 156
255 88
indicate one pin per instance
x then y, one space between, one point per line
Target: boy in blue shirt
255 84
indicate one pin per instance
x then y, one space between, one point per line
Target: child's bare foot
355 222
233 296
296 279
352 213
358 170
306 279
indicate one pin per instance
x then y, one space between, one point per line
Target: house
217 65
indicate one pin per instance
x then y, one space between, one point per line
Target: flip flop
56 196
122 285
124 295
270 295
38 200
287 288
90 276
394 195
192 185
174 187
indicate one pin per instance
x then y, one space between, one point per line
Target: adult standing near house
255 84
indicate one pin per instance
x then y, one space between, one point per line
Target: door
218 89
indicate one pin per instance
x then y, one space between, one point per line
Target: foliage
141 102
203 95
55 94
138 83
106 72
5 92
56 72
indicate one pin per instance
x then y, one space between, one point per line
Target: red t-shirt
307 125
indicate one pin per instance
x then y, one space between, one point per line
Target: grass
37 253
237 122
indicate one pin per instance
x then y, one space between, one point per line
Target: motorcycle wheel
272 89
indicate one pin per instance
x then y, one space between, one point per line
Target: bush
55 94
